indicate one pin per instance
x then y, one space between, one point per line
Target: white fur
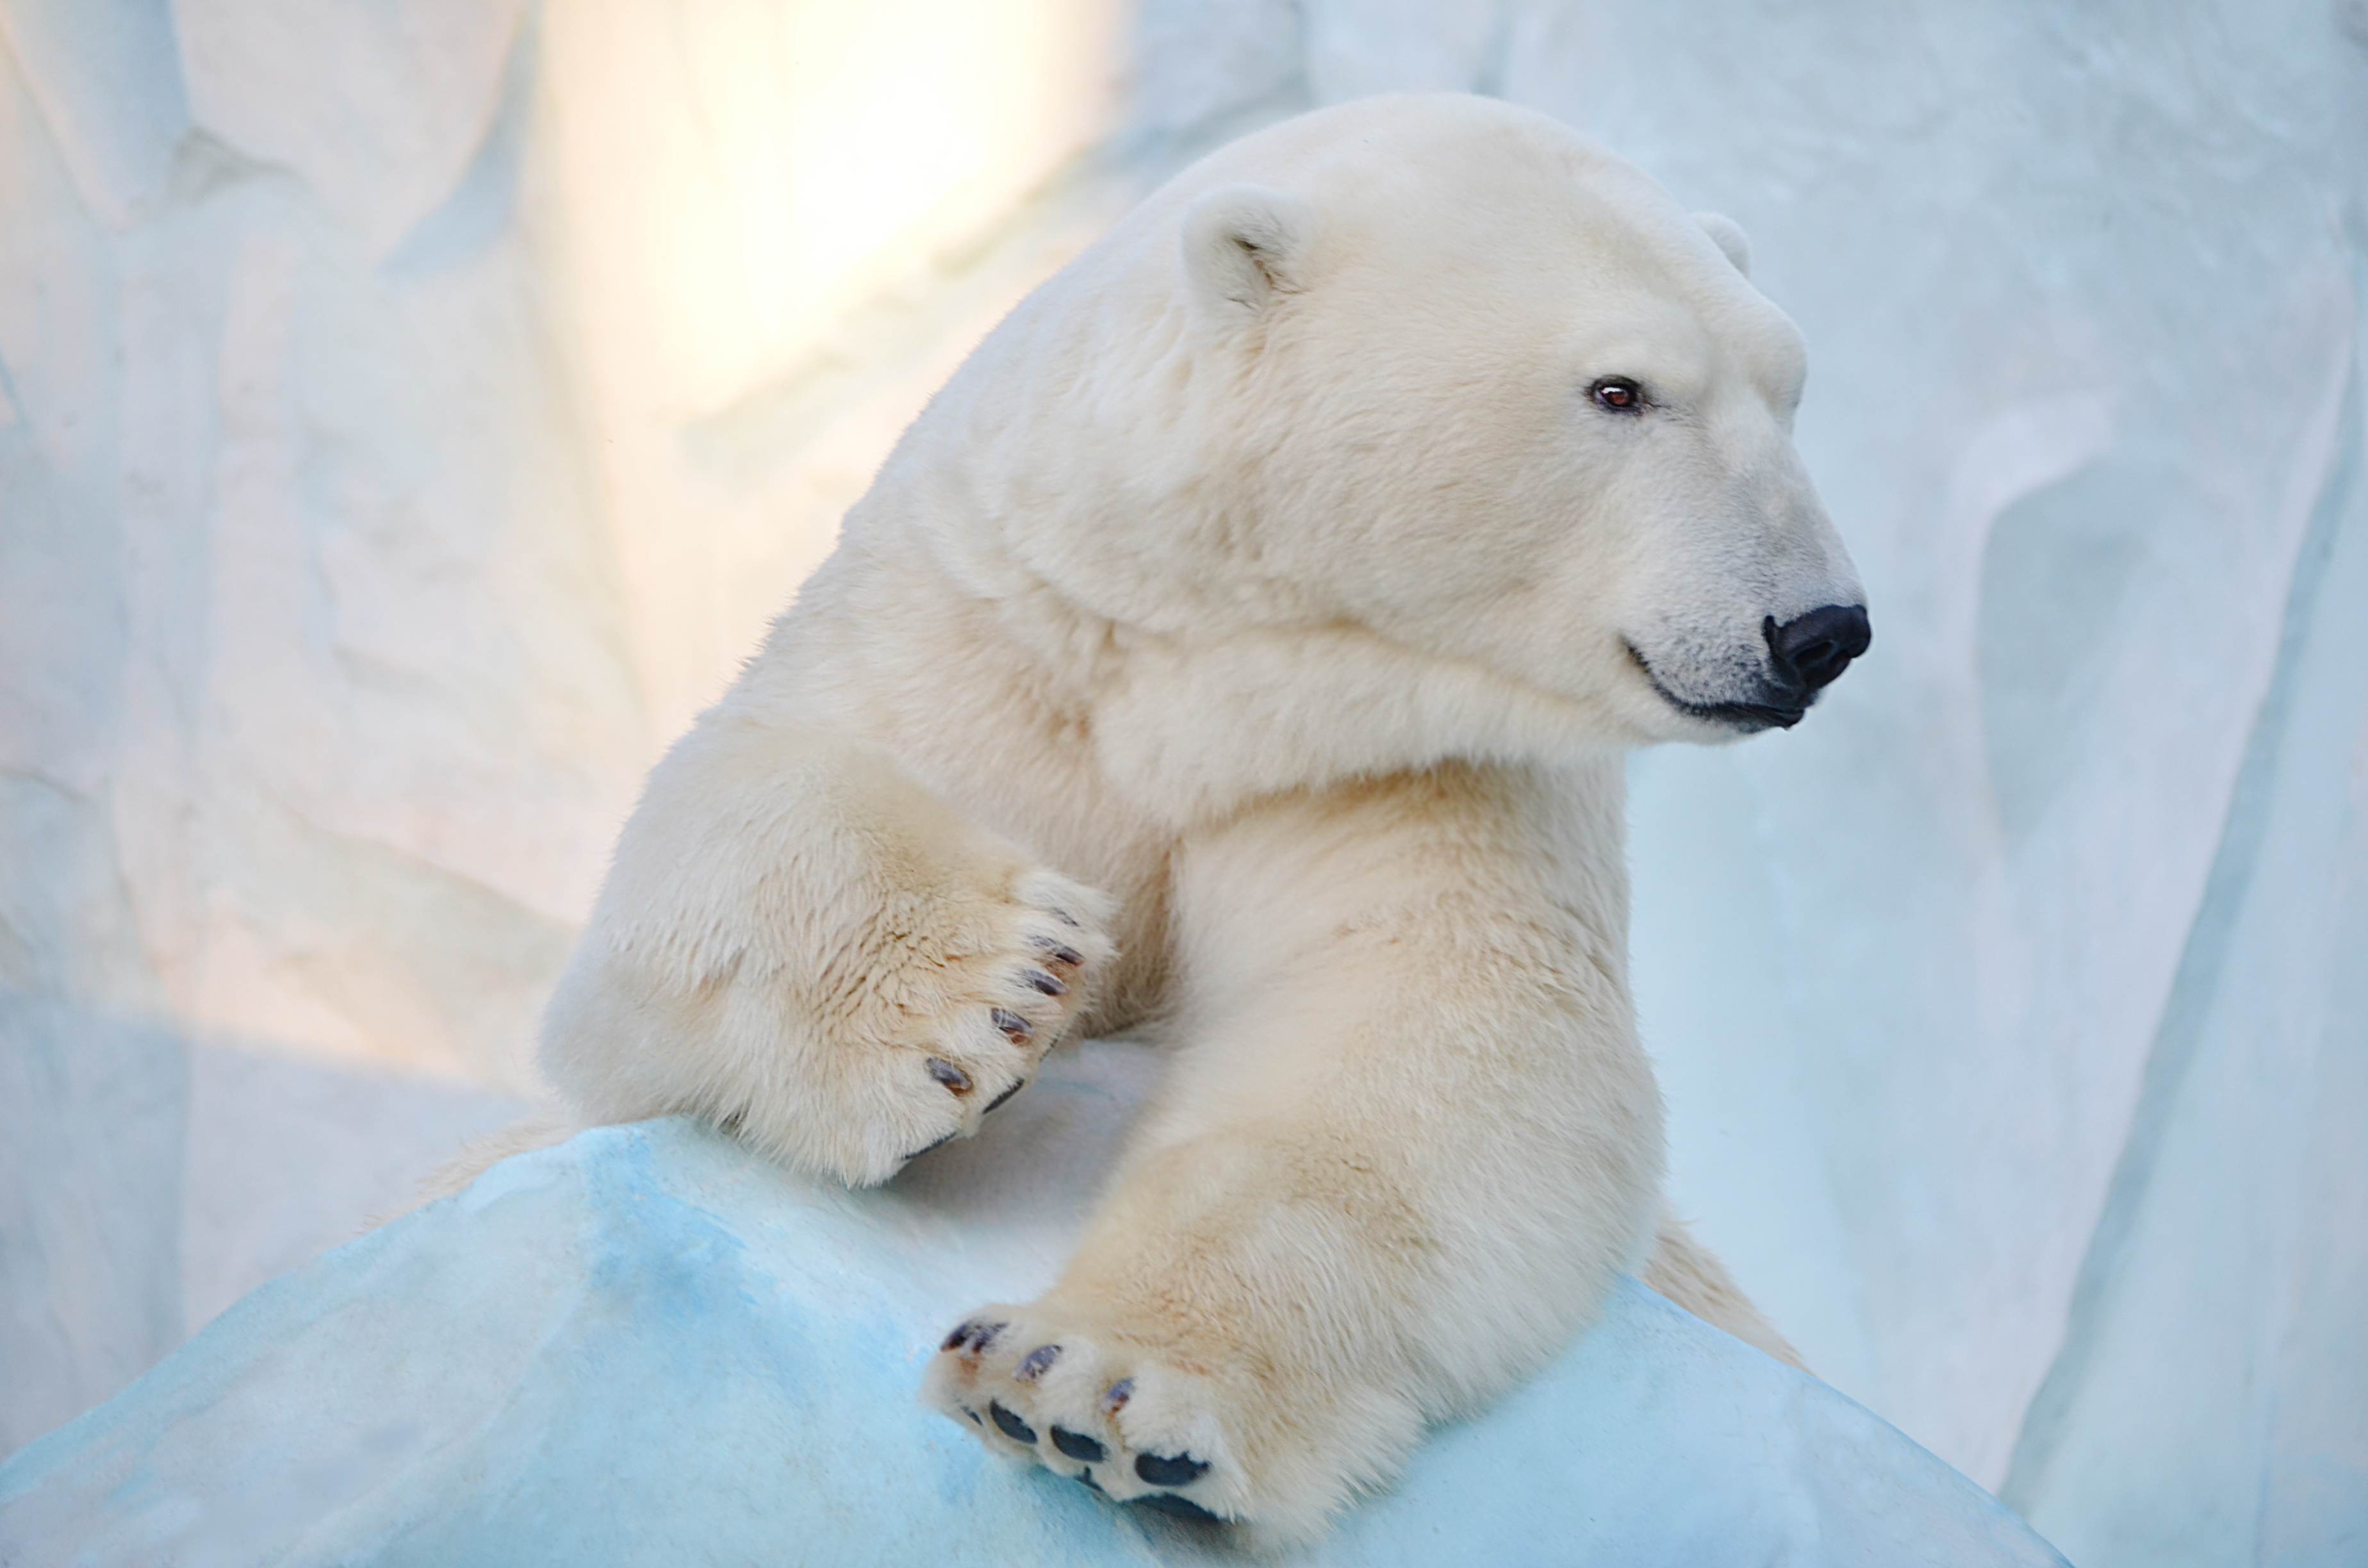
1728 235
1272 572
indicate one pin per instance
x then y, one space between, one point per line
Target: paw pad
1011 1426
1078 1446
1169 1470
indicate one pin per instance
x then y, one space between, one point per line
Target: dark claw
1036 1363
972 1337
938 1144
1014 1027
1114 1397
1170 1470
1088 1477
1043 982
1078 1446
1066 918
1059 952
1183 1507
1004 1095
1009 1424
951 1076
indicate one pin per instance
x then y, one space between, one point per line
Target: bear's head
1505 399
1441 374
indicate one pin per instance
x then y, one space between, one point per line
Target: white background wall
410 410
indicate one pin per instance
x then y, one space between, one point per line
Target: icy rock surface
648 1346
210 1172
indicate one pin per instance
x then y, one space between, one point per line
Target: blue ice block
648 1347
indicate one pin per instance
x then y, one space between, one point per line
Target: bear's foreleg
1407 1142
804 946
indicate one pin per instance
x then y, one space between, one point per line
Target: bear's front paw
1132 1425
947 1014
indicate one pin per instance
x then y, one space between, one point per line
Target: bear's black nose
1812 651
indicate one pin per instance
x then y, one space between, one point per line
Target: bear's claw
972 1336
1059 953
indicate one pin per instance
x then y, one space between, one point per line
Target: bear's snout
1810 652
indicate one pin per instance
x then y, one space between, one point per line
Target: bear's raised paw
997 998
935 1013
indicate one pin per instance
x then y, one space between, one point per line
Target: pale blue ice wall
298 580
2012 1010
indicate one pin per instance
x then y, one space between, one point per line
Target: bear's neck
1194 730
1186 729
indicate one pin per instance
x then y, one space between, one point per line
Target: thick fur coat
1242 648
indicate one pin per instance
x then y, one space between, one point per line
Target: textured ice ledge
648 1347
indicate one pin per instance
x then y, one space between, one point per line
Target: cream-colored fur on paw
1241 650
822 957
1139 1408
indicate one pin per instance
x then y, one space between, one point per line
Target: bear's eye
1619 394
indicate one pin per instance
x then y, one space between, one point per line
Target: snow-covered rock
648 1346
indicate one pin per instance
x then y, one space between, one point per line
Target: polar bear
1242 648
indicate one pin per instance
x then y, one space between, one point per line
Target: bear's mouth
1747 718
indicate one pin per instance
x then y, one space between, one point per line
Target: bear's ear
1729 237
1243 246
